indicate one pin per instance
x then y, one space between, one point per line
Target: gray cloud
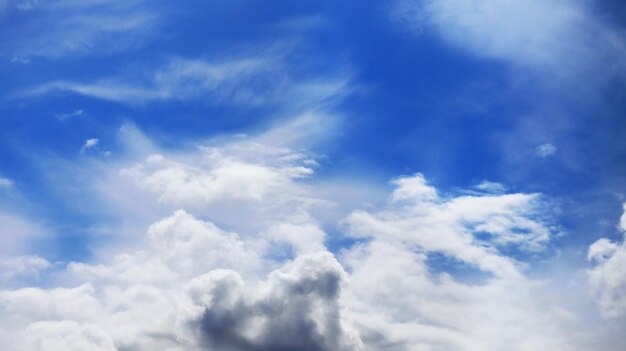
300 311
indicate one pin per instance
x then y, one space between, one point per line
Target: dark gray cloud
298 310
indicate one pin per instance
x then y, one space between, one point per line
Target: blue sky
412 152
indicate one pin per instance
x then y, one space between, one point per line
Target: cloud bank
196 285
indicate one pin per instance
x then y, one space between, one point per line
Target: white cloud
220 178
65 116
491 187
90 143
302 234
413 189
255 177
253 80
195 285
398 303
22 266
179 247
608 276
418 216
212 274
106 90
560 36
545 150
187 291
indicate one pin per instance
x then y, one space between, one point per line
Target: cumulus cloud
186 291
608 276
296 309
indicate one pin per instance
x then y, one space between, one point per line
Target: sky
419 175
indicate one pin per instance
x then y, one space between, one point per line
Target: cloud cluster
185 291
195 285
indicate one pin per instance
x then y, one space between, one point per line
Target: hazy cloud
561 35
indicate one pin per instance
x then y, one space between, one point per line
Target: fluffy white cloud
215 177
469 228
397 303
184 292
22 266
89 144
179 247
608 278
